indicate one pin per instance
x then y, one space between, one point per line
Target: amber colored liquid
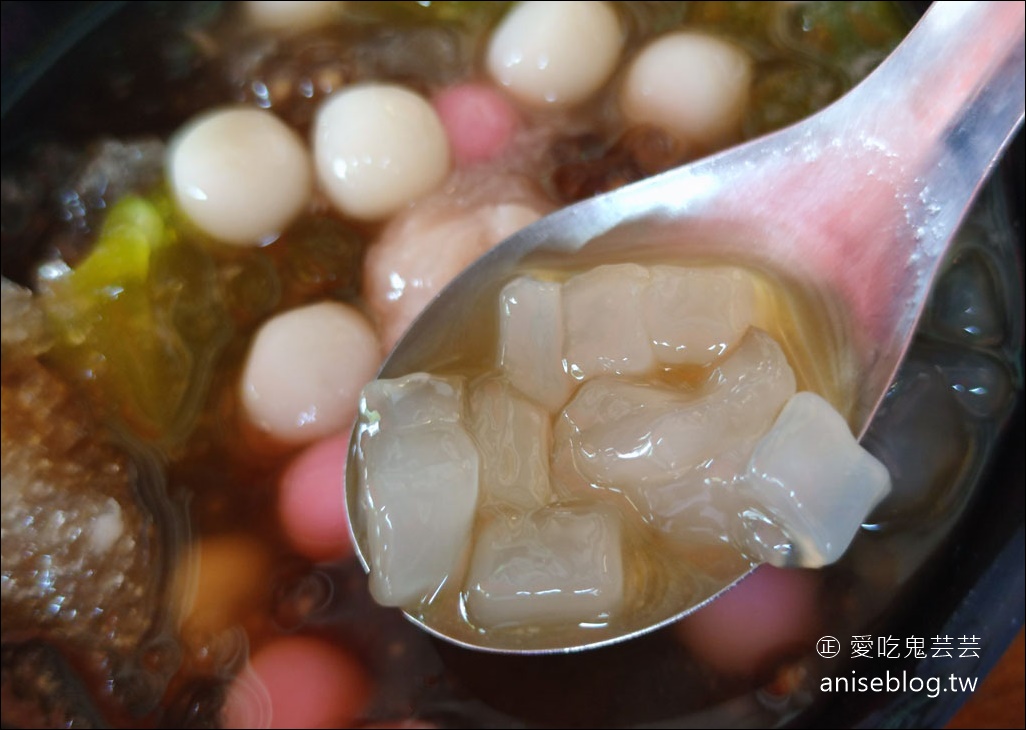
662 576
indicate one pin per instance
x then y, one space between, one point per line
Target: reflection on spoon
858 203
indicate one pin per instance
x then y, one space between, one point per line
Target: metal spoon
860 200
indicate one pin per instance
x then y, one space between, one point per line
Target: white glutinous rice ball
241 175
305 370
377 147
692 85
291 15
556 53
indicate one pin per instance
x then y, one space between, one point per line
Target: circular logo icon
828 647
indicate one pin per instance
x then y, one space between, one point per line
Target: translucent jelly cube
418 486
698 506
514 436
754 380
629 435
559 564
694 315
812 486
531 340
413 400
605 331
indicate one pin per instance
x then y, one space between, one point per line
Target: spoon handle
940 110
955 80
865 196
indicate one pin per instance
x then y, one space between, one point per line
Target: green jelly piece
133 229
140 321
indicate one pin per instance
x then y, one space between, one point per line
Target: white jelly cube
514 436
418 471
694 315
753 382
627 435
810 479
413 400
698 506
670 450
555 565
531 340
605 330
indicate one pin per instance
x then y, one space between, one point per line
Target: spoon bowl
859 202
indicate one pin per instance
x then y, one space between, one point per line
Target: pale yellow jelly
643 434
